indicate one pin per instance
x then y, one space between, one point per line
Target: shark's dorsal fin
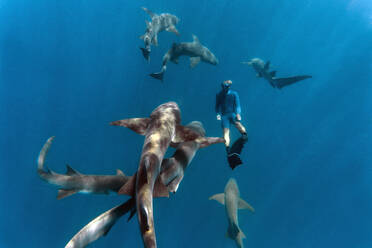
267 65
194 61
149 12
62 193
129 187
195 39
120 173
70 171
218 197
138 125
244 205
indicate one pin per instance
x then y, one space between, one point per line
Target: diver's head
226 85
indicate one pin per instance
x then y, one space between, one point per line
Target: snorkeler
228 112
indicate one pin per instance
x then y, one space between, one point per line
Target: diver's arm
218 106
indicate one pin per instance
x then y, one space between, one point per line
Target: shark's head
232 186
256 62
169 110
197 126
209 57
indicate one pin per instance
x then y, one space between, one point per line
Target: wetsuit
228 106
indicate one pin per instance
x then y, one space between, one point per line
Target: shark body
262 70
232 201
195 50
159 23
75 182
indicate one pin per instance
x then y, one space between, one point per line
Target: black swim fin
233 155
234 160
282 82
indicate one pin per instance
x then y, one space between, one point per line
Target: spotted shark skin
195 50
160 129
159 23
74 182
262 70
232 201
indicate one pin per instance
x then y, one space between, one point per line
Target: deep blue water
70 67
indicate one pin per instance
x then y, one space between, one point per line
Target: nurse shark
232 201
158 24
195 50
262 70
162 128
74 182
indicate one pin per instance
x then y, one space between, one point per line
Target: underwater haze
69 68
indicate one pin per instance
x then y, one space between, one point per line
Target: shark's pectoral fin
138 125
129 187
71 172
62 193
120 173
244 205
267 65
173 29
149 12
184 134
218 197
207 141
160 190
194 61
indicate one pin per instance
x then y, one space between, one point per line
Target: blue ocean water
70 67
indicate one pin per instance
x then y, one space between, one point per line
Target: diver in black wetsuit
228 111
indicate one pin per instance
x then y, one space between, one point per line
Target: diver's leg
226 135
241 128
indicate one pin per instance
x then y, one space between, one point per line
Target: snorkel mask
226 84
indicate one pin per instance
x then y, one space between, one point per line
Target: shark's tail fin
145 53
159 75
282 82
43 153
